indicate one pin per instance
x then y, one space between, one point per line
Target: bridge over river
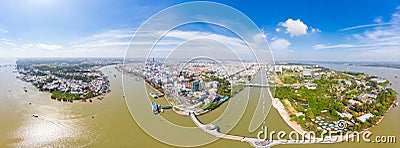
256 85
255 142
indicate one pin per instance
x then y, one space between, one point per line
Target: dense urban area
198 86
67 79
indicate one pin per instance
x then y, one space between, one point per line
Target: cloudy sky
313 30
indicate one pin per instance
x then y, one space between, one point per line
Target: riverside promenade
255 142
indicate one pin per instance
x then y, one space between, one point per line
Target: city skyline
325 31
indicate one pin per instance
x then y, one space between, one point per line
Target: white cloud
378 42
324 46
378 20
366 46
315 30
48 46
8 42
112 34
378 23
375 34
108 40
278 29
280 44
3 30
364 26
120 39
32 45
28 45
113 43
294 27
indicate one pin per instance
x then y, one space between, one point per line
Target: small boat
154 95
34 115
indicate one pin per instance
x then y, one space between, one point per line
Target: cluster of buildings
355 89
89 81
326 126
198 83
305 73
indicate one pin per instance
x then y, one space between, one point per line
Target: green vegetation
64 96
211 106
356 74
290 77
224 89
332 95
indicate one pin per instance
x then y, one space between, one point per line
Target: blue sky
336 30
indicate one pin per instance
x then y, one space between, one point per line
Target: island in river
317 99
67 79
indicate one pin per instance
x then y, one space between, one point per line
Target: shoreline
94 99
165 98
182 113
336 138
277 104
174 108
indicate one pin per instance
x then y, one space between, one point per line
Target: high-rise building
196 86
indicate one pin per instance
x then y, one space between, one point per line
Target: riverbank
94 99
174 107
277 104
182 113
284 113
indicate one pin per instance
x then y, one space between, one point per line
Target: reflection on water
57 123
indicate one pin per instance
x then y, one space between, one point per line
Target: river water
108 123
